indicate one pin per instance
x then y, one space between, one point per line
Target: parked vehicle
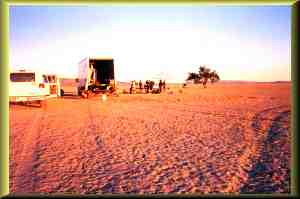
28 86
96 75
68 86
54 85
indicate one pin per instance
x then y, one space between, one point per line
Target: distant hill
281 82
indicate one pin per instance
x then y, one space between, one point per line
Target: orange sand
185 140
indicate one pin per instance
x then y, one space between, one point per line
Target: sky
153 41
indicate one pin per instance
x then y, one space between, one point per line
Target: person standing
147 86
164 85
141 84
151 85
160 84
132 87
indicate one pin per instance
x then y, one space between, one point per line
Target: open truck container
96 75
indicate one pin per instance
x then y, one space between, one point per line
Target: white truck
96 75
28 86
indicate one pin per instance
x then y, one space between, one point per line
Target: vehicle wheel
111 89
62 92
79 92
84 94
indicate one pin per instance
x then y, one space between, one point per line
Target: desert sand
227 138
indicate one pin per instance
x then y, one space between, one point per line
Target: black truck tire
62 92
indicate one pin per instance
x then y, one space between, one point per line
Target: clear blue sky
240 43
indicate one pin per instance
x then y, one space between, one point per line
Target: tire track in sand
94 156
252 155
271 173
25 176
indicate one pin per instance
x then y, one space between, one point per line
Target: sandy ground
227 138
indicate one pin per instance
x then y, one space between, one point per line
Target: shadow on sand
25 104
69 96
260 177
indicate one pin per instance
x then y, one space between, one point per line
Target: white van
27 86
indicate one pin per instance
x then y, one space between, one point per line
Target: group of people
162 85
148 86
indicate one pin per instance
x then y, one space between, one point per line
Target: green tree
214 77
193 76
204 74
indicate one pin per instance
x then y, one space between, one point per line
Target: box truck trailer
96 75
